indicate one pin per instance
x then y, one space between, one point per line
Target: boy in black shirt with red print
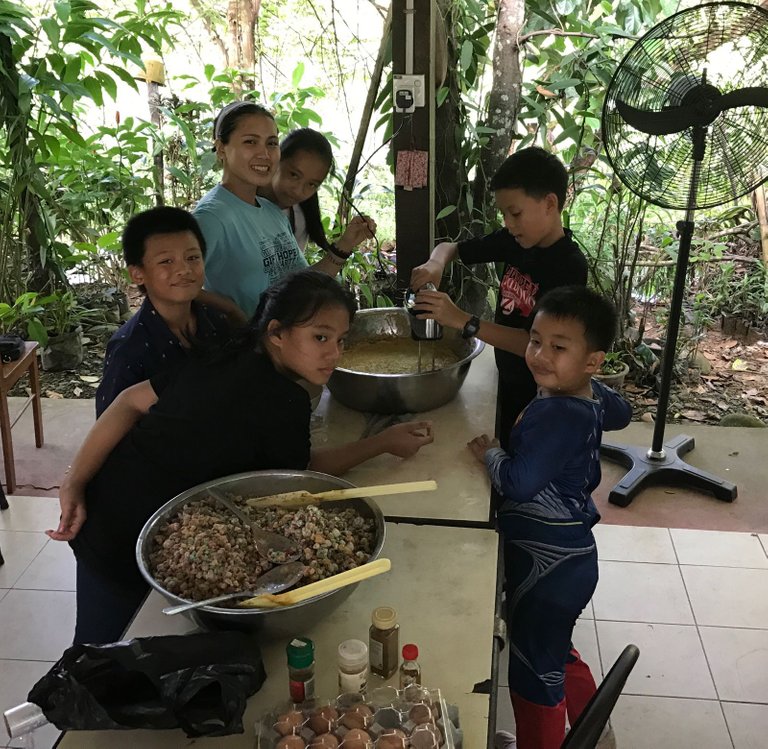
538 255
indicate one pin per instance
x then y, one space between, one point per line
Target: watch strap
471 327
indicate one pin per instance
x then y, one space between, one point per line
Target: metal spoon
272 546
277 579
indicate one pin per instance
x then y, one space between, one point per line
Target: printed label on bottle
302 690
376 651
353 682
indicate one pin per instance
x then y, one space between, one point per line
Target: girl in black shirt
238 410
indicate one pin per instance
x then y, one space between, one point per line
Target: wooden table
463 495
443 586
10 374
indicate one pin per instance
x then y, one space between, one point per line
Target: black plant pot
64 351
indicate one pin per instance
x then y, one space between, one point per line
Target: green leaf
63 11
70 133
52 30
94 89
124 76
37 332
298 73
447 211
467 53
108 83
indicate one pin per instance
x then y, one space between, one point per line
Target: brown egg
291 742
359 716
356 738
421 714
391 738
323 720
289 722
426 737
325 741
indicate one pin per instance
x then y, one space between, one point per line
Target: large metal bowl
282 622
400 393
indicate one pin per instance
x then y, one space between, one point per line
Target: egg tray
390 708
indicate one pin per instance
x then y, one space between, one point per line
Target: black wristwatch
471 328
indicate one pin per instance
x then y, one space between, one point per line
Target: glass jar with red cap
410 671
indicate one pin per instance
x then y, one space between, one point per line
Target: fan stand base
643 470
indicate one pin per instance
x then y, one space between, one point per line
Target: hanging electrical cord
382 272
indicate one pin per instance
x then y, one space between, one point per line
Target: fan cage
725 44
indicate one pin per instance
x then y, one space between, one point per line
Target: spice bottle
383 641
301 668
410 671
353 666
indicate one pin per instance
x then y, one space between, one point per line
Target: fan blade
665 122
752 96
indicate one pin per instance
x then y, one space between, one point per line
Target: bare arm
439 306
225 304
328 264
103 437
432 271
403 440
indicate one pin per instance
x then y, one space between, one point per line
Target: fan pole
662 463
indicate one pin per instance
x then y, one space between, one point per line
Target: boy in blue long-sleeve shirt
545 481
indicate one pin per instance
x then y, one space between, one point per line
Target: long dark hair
293 300
310 141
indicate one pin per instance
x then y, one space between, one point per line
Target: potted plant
62 317
613 370
24 317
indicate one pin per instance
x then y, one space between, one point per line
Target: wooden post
414 209
154 75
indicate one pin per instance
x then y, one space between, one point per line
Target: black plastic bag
197 682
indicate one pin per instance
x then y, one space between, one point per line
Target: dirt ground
736 384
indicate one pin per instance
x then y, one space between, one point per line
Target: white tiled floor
694 602
696 605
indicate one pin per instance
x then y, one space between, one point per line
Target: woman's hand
406 439
436 305
72 502
358 229
479 446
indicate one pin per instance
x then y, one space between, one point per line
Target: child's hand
438 306
406 439
72 502
480 444
429 272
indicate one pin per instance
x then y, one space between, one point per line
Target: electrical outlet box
408 92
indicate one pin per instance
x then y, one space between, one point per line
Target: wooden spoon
300 498
334 582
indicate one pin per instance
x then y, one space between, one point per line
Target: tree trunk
504 98
242 16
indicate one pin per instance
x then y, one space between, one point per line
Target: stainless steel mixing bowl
400 393
283 622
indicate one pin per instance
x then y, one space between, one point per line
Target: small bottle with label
410 671
383 641
353 666
301 668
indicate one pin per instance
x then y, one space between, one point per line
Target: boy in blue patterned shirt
547 513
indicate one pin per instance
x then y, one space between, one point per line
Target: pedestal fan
685 123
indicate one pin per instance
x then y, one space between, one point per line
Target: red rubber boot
579 685
538 726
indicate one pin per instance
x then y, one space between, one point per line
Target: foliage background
81 149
